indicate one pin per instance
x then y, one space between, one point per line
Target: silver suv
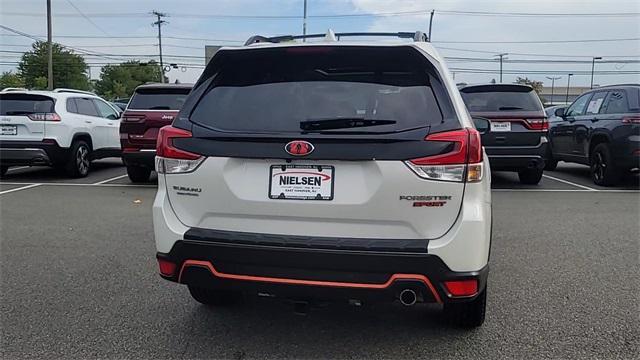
326 170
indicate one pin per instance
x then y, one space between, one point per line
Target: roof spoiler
331 36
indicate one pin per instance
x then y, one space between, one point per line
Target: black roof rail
416 36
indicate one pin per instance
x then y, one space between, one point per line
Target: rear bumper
17 153
141 158
318 273
515 158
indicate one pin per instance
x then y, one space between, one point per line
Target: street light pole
304 21
593 65
50 49
566 99
159 23
553 81
501 56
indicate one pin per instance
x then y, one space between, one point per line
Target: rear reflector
462 288
167 268
453 165
44 117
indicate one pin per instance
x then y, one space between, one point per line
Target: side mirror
560 112
482 124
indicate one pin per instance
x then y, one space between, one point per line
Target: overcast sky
456 35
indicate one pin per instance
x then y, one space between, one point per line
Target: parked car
119 105
63 128
151 107
549 164
601 128
340 170
517 140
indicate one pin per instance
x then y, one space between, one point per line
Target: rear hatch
22 114
515 111
149 109
313 141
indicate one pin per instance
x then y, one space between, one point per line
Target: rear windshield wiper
510 108
341 123
160 107
23 112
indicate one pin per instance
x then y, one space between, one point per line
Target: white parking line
20 188
109 180
570 183
18 168
81 184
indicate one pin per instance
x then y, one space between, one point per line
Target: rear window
501 98
22 104
159 99
297 89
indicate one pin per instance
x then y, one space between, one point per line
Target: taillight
631 120
171 160
44 117
132 118
464 161
537 124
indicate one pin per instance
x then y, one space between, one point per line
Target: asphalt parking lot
79 280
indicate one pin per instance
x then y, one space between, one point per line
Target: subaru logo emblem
299 148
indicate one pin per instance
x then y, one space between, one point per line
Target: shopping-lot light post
49 49
566 99
593 65
553 82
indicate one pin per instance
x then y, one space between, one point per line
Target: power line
87 18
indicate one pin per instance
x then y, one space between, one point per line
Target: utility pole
431 23
553 81
501 56
304 21
50 47
566 99
159 23
593 65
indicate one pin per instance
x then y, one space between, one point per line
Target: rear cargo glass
159 99
277 90
501 98
23 104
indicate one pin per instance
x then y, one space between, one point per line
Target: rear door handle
88 121
594 120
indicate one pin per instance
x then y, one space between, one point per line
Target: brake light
171 160
537 124
462 288
631 120
464 161
44 117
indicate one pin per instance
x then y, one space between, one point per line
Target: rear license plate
8 130
301 182
501 126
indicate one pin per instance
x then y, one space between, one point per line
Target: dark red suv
151 107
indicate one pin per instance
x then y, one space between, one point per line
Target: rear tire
138 174
3 170
467 314
79 162
603 170
530 176
213 297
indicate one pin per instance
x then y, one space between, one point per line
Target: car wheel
214 297
3 170
550 164
530 176
79 161
138 174
603 170
467 314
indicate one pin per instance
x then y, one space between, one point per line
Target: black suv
517 140
600 129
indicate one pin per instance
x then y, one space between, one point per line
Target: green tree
536 85
69 69
10 79
119 80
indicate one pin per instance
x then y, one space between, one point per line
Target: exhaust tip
408 297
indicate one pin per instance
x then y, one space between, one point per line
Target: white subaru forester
326 170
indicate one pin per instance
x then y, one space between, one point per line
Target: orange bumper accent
207 265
